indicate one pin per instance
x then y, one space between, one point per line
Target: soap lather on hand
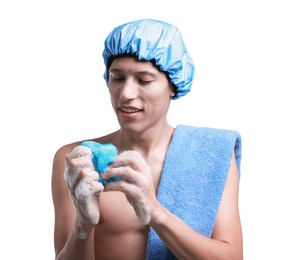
102 156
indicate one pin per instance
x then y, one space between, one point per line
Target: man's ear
173 90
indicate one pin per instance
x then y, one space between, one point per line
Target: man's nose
129 90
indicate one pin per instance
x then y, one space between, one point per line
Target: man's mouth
130 110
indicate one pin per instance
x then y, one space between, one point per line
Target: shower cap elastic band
155 40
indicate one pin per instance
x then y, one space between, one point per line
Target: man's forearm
77 248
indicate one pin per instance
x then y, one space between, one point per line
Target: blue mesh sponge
102 156
151 39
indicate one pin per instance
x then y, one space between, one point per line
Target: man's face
140 93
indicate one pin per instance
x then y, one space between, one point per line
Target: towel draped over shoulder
193 179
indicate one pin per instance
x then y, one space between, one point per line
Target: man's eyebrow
146 73
114 70
142 72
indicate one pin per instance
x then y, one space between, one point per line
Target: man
178 193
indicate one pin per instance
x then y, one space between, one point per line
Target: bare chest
119 235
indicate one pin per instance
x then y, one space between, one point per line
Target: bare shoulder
59 157
65 149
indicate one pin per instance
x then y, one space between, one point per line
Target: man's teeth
127 110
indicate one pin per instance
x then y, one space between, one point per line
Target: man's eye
144 82
117 79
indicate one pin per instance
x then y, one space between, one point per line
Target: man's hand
137 183
82 181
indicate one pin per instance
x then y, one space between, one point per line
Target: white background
53 93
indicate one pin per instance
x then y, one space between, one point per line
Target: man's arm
67 243
226 241
182 240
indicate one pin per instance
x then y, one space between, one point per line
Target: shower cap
152 40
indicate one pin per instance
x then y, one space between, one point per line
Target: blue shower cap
149 40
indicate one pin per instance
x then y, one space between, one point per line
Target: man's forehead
133 65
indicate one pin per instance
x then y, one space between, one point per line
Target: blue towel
193 179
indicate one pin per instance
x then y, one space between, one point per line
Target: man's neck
149 142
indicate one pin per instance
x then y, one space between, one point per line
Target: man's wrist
83 230
158 217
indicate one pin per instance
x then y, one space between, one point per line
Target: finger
132 159
74 168
132 191
86 189
79 151
86 198
125 187
124 172
89 174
